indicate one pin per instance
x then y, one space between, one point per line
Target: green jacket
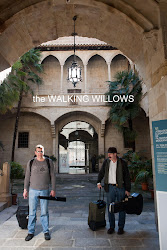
122 174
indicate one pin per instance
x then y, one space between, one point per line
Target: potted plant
135 163
16 172
142 177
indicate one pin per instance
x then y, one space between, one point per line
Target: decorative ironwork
74 71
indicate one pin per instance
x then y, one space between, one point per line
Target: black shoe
120 231
29 237
47 236
110 230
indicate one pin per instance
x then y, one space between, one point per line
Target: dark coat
122 174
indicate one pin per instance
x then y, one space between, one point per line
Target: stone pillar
109 71
54 143
61 81
85 77
101 145
53 136
5 195
57 148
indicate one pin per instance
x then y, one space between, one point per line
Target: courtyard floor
68 221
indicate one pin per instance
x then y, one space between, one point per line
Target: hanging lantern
74 71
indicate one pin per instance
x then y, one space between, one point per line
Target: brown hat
112 150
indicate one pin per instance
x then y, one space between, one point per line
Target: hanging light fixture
74 71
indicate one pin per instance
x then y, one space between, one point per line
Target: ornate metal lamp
74 71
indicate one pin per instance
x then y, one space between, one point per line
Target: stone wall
39 133
114 138
97 75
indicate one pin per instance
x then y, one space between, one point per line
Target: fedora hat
112 150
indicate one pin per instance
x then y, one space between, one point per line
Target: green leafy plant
16 172
17 84
136 163
122 113
142 177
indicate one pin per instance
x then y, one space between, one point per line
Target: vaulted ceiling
124 24
144 12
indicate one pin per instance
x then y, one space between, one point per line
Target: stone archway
86 117
30 25
78 142
133 28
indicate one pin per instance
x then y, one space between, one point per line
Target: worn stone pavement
68 222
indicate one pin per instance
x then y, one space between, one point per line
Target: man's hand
25 194
53 193
127 193
99 186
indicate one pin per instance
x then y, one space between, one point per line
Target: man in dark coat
116 184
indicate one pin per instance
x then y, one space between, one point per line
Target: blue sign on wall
160 153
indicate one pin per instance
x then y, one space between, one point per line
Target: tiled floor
68 222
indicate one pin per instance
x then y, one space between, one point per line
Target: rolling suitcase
131 205
22 216
96 217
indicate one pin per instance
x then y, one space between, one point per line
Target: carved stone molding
53 131
102 130
152 38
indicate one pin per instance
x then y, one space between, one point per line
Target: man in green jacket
116 184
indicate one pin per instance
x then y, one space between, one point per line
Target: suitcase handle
100 194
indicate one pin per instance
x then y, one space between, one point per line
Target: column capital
53 130
102 129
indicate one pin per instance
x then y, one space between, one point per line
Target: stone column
53 136
61 81
5 195
54 144
109 71
57 148
85 77
101 145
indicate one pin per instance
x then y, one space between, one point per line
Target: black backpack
47 160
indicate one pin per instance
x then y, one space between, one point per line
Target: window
127 143
23 139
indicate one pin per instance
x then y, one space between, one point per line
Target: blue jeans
114 194
33 202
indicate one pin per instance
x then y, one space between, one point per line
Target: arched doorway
78 142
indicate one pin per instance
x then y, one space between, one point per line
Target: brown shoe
120 231
110 230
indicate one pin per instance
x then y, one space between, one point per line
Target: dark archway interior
78 142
